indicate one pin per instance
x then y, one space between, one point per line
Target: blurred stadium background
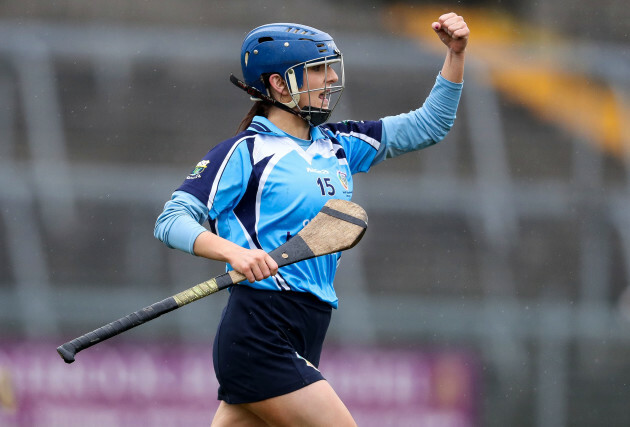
503 280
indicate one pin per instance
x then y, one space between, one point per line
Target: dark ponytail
258 109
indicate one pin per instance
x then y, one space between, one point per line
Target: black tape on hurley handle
68 350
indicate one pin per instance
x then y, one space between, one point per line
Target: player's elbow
161 228
158 230
442 128
439 136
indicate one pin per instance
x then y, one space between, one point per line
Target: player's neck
290 123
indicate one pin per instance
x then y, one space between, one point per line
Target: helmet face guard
292 51
322 100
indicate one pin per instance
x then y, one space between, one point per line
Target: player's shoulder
227 146
239 137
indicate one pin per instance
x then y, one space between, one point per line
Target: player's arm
179 227
429 124
255 264
179 224
423 127
453 32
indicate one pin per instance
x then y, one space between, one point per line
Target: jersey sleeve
360 142
179 224
425 126
220 179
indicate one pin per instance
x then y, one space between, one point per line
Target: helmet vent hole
265 39
299 31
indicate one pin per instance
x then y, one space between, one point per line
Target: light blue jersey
263 186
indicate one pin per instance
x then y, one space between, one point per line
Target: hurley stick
338 226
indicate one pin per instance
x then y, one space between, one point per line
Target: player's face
316 89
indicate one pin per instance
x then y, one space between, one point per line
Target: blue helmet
289 50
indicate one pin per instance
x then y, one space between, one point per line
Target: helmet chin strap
314 118
255 93
293 88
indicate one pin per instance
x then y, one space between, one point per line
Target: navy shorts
268 343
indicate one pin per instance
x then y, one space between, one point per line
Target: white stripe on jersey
266 146
281 282
250 242
263 180
272 145
217 180
373 142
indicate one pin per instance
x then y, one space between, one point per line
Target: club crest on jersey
196 172
343 178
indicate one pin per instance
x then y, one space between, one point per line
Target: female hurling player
262 186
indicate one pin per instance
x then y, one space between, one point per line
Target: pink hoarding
162 385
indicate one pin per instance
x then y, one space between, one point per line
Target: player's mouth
325 98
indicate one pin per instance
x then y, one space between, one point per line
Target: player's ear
278 85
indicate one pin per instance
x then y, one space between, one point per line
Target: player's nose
332 76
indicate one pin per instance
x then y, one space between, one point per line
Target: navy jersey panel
262 187
268 343
228 162
354 137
